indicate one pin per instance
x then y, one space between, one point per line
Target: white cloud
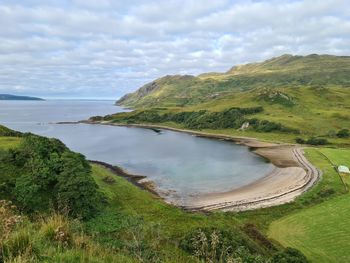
106 48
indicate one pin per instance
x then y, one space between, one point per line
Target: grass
136 225
53 238
137 213
322 231
337 156
9 142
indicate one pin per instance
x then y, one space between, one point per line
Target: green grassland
321 232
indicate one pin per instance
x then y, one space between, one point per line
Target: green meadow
321 232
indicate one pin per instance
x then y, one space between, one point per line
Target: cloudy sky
105 48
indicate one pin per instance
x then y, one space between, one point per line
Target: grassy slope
9 142
319 87
134 224
35 236
135 212
135 216
321 232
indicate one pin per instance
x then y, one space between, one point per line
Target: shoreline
293 175
132 178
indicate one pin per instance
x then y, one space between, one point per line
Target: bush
326 192
76 189
4 131
252 231
269 126
46 174
214 245
317 141
300 140
289 255
343 133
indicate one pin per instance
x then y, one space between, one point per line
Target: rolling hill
309 93
287 71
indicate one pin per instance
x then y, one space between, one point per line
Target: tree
76 189
43 173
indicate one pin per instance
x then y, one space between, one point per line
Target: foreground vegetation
127 225
133 225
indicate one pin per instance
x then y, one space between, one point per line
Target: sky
106 48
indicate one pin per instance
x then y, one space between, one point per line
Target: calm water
179 164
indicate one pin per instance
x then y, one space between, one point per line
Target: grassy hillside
130 224
134 225
311 93
321 232
287 71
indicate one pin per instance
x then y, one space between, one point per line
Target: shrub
269 126
326 192
76 189
343 133
4 131
317 141
289 255
300 140
46 174
213 245
109 179
252 231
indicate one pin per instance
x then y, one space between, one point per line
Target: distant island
15 97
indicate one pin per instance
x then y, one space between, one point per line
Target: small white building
343 169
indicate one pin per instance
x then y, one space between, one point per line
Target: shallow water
179 164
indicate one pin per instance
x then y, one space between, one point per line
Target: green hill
308 93
287 71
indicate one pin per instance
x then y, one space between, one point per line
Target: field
321 232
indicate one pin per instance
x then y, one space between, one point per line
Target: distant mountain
286 71
15 97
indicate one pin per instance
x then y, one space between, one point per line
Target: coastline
293 175
132 178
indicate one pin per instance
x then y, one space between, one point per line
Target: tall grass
53 238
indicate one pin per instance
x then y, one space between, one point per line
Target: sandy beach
293 175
